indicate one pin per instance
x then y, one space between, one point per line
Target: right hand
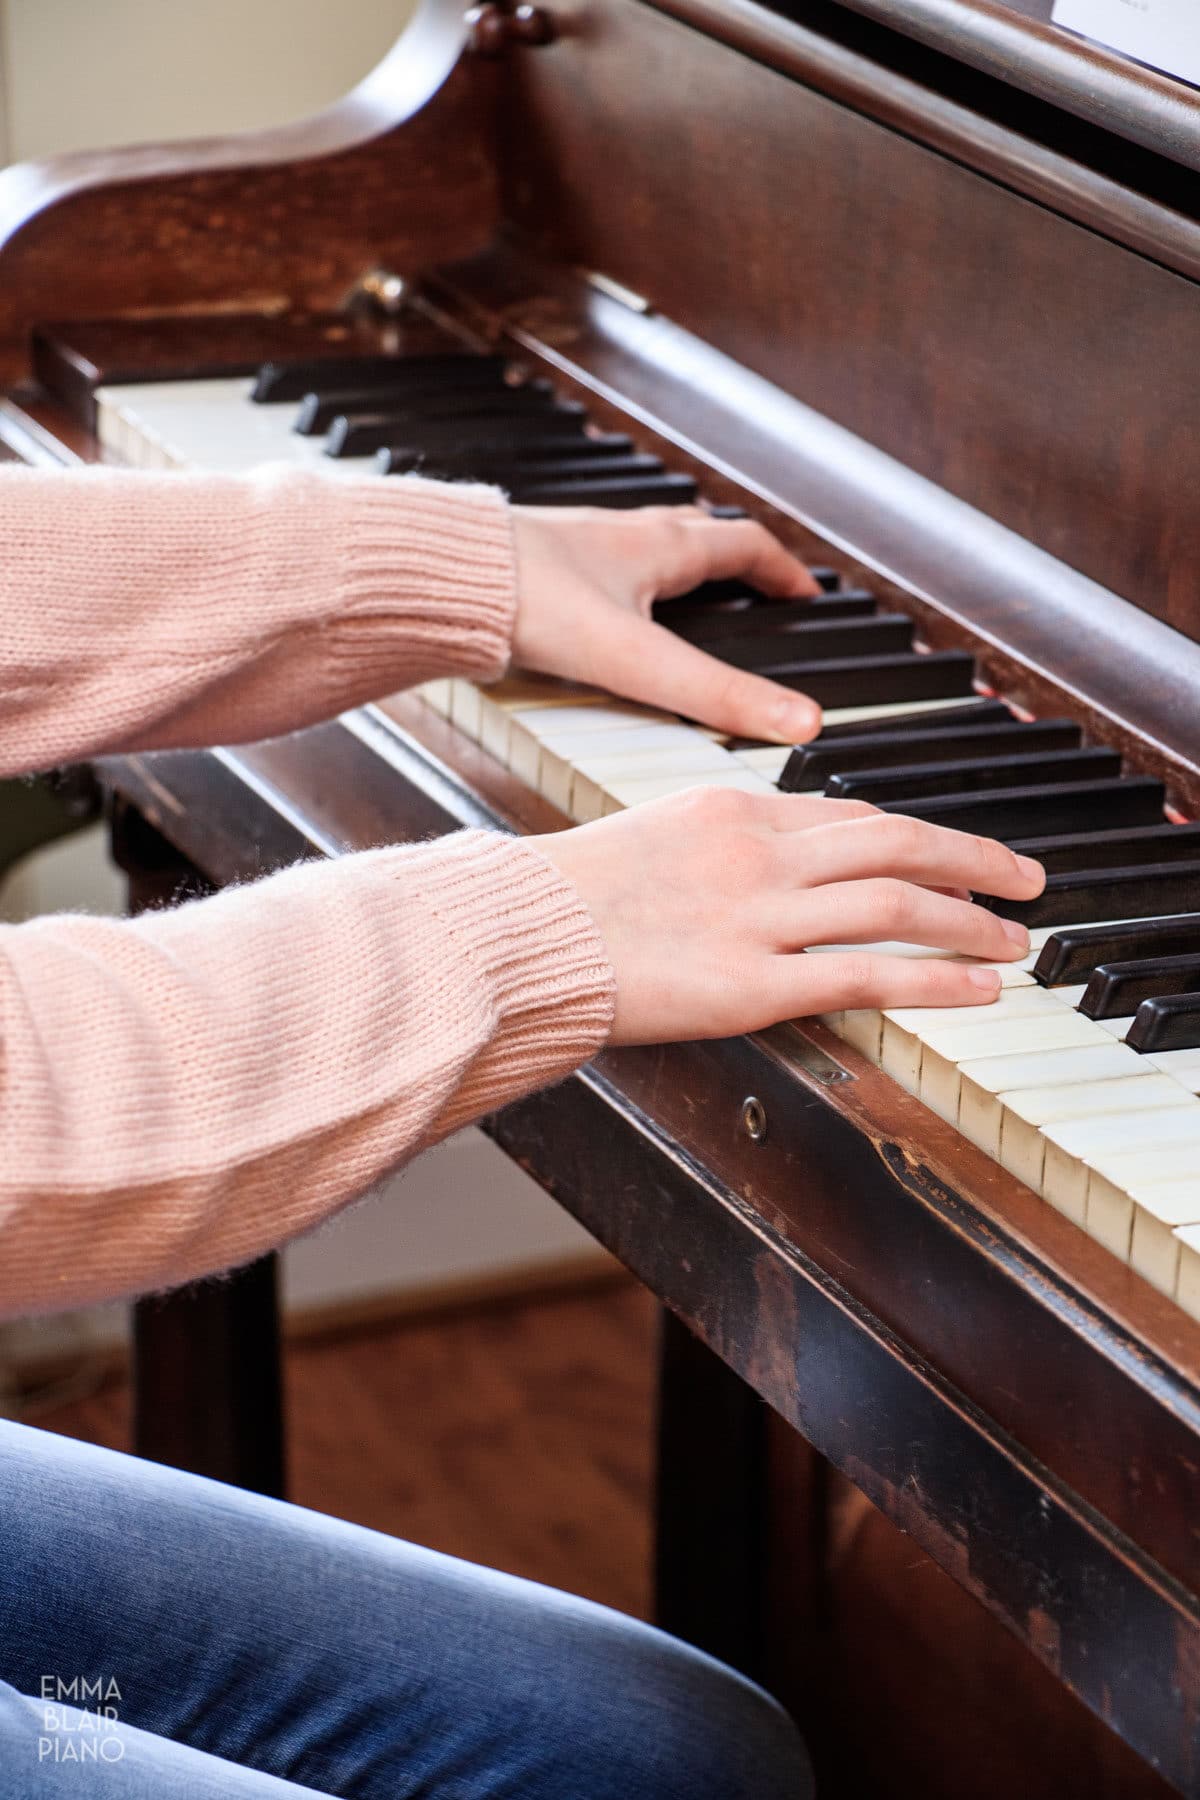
705 901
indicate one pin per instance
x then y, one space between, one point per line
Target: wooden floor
518 1435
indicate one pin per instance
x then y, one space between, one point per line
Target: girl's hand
586 580
705 901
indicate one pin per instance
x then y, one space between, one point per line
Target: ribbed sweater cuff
523 928
430 567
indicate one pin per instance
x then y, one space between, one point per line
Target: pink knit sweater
180 1092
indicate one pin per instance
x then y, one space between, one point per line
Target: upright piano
914 282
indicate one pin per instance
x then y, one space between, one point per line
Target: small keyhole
754 1119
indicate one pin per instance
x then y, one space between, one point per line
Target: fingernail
797 719
1031 870
1016 934
987 979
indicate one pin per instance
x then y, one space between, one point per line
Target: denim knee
669 1723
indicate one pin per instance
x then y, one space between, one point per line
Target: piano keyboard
1083 1080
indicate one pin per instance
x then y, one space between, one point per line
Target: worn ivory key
536 733
1160 1208
1187 1281
943 1052
983 1083
1076 1147
581 787
624 791
1025 1114
906 1030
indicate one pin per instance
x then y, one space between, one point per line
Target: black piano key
704 621
828 580
974 714
810 766
318 411
1169 1022
1136 893
666 489
578 459
362 436
975 774
484 461
1117 989
521 474
1111 849
1007 813
879 680
785 637
282 381
1070 955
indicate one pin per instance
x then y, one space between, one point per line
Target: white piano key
1144 1161
944 1051
893 709
905 1029
1187 1290
1181 1065
535 732
1026 1113
684 754
981 1083
672 748
1159 1209
211 425
678 752
768 761
466 707
1074 1145
521 693
438 695
625 792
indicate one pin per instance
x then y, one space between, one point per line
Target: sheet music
1163 33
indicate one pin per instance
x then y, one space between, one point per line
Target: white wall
85 74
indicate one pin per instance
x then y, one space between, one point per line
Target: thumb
644 661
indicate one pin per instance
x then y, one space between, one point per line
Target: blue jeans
163 1637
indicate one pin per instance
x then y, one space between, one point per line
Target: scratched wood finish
1035 369
941 1335
397 175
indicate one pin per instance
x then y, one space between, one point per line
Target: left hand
586 580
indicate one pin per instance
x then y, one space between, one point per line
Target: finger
803 985
646 662
717 549
890 911
808 812
931 855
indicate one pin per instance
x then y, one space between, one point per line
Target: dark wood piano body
817 243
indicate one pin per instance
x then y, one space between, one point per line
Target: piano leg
207 1382
711 1524
207 1373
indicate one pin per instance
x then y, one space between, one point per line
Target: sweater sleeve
143 610
181 1092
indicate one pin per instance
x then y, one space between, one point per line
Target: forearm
140 610
184 1091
